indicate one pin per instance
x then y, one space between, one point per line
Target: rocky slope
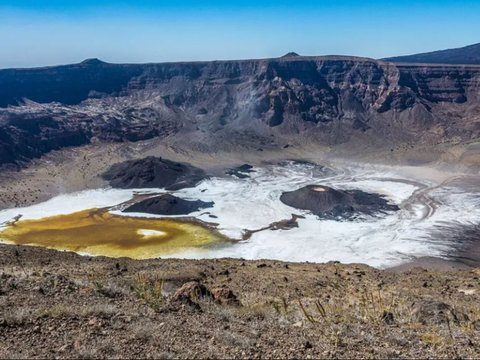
260 104
464 55
62 305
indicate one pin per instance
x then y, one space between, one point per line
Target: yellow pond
97 232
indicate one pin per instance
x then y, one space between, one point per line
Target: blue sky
37 32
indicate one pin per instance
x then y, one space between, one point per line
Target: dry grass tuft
432 338
62 310
149 289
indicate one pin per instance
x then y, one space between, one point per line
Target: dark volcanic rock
25 137
153 172
329 203
67 84
241 171
167 204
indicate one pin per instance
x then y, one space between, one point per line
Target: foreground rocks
62 305
153 172
329 203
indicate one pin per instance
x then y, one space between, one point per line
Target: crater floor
251 205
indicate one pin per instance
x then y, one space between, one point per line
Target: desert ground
62 305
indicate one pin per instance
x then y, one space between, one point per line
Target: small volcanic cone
167 204
153 172
290 54
326 202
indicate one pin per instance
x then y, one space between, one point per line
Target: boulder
191 291
224 296
432 312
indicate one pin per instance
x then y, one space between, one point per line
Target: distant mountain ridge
464 55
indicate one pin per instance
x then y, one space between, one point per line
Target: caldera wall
260 103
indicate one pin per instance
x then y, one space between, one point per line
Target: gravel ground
62 305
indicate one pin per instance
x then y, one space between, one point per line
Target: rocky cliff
259 103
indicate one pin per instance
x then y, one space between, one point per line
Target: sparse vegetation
70 306
149 289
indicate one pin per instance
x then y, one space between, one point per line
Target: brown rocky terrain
62 305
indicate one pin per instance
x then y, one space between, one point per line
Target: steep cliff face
323 99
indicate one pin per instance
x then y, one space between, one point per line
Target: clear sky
38 32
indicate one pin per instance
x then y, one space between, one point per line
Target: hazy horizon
42 33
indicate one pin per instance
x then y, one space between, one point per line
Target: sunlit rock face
214 105
327 202
167 204
98 232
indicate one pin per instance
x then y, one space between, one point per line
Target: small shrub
150 290
432 339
